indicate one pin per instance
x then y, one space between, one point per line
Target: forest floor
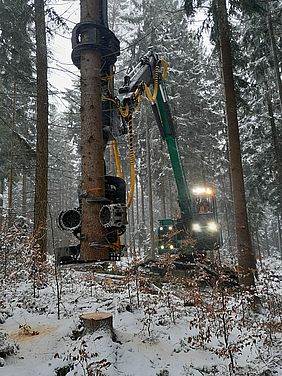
176 327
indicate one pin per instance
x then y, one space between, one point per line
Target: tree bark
246 256
41 174
92 154
97 320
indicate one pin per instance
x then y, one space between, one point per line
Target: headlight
170 228
162 246
198 190
171 246
212 226
209 191
161 228
196 227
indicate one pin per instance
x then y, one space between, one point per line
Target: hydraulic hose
118 165
153 97
131 160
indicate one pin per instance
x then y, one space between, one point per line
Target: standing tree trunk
92 153
279 235
11 170
24 192
2 186
276 147
274 55
137 205
150 193
41 174
246 256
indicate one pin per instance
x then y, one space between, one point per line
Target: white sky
61 69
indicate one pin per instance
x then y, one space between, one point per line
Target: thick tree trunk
41 174
246 257
92 153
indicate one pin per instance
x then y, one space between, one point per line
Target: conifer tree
41 179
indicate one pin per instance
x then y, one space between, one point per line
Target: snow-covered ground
155 333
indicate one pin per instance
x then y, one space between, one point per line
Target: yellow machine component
131 160
127 113
118 166
152 98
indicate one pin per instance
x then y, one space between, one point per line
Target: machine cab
205 226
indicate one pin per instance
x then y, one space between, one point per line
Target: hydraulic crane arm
150 72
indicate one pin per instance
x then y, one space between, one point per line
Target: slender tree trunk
92 153
2 186
24 193
150 193
137 214
279 237
143 229
266 241
276 147
133 232
41 174
246 257
142 197
11 170
258 247
274 56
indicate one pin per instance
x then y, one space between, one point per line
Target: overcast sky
61 69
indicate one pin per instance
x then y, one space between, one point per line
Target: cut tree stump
97 320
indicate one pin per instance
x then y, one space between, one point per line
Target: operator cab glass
205 226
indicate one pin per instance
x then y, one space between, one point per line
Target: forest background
196 95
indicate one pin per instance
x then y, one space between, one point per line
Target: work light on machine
212 226
196 227
162 246
171 246
161 228
170 228
202 191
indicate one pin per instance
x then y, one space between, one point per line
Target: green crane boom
144 74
